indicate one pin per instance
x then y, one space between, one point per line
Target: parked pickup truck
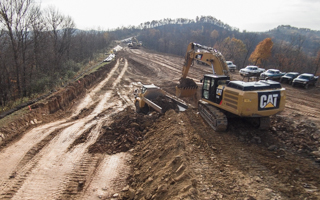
305 80
272 74
288 77
251 71
232 67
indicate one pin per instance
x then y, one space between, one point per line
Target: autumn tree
232 49
262 52
214 34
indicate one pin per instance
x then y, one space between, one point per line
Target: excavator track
213 116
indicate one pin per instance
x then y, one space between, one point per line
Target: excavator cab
212 87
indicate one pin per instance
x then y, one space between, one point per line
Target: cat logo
269 100
219 91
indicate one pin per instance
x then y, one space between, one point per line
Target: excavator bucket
186 91
186 88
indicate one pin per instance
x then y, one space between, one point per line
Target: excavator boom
208 55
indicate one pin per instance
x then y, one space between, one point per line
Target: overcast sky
249 15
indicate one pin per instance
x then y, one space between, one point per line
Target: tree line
40 47
291 49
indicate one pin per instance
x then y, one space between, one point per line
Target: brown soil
126 130
187 83
87 142
166 103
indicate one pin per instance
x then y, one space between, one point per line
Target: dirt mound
180 158
187 83
161 162
300 136
165 103
127 129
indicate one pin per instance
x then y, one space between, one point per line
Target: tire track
81 177
27 163
88 100
50 167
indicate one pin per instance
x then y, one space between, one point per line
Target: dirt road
102 149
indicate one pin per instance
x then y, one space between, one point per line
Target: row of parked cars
296 79
293 78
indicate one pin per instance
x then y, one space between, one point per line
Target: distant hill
308 39
290 30
179 32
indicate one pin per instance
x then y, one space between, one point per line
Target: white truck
251 70
232 67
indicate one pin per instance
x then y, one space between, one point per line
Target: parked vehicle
305 80
272 74
232 67
109 58
251 70
288 77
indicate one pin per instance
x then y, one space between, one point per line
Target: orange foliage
262 51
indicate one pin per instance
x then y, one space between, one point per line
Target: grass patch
14 116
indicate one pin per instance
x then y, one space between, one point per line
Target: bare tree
15 16
250 44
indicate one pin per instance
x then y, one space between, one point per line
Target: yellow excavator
135 44
222 98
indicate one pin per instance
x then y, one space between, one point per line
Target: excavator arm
208 55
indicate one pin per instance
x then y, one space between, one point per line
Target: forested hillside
40 49
293 49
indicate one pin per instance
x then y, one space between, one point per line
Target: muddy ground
87 142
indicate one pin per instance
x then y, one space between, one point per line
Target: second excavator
222 98
134 44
